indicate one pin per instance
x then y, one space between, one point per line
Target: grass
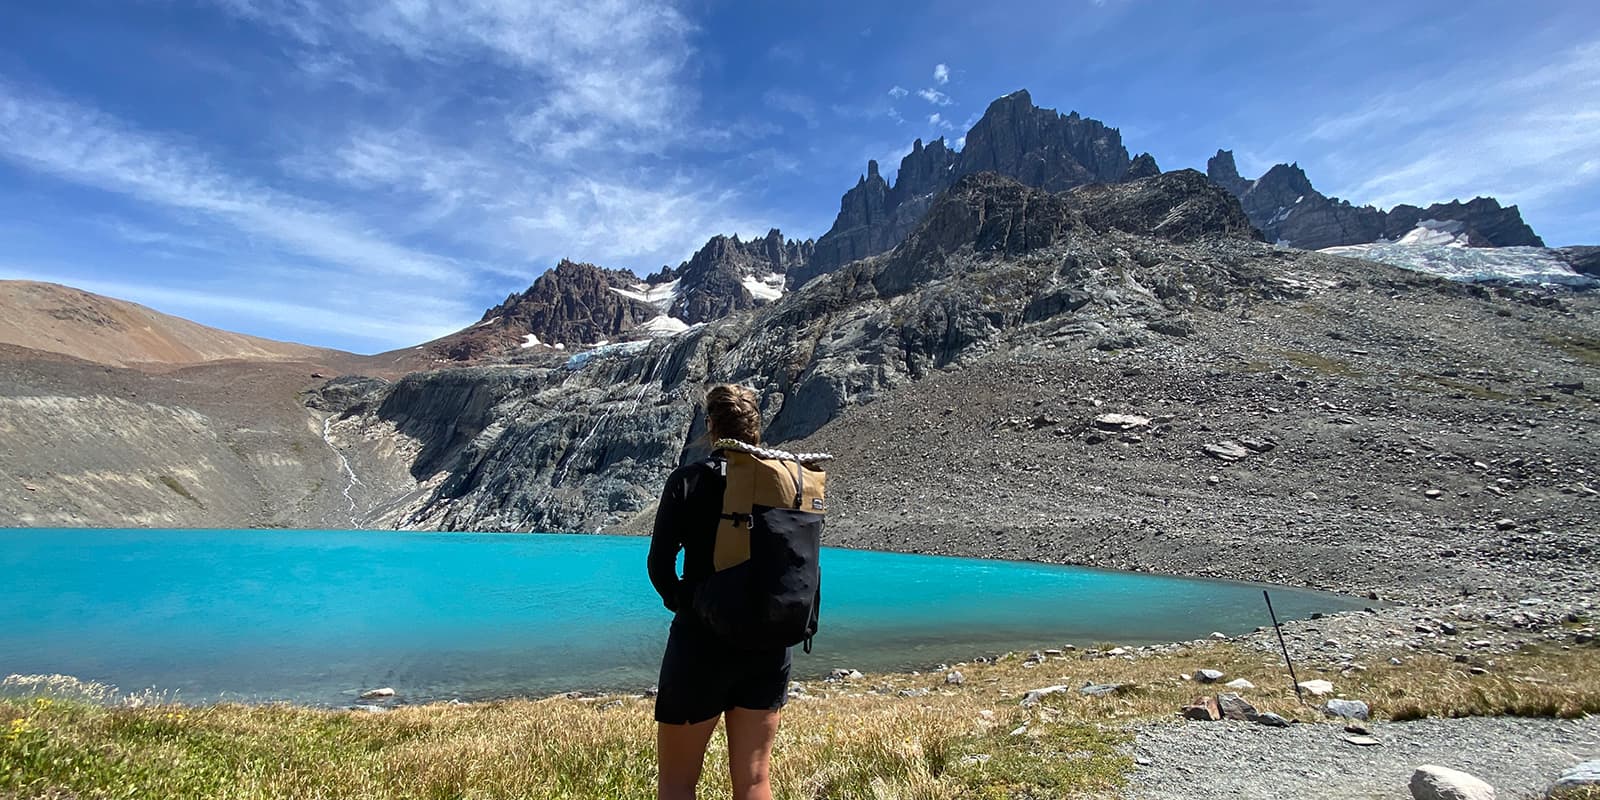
1583 348
859 739
1478 391
1323 365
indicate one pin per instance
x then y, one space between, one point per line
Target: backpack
766 589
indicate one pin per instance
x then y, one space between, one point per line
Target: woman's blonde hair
733 412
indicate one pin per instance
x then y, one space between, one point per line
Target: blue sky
369 175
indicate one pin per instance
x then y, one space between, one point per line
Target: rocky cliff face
1036 146
1286 208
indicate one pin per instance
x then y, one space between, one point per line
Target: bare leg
750 737
680 752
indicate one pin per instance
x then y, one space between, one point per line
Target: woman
702 677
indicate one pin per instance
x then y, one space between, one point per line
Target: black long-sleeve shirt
686 519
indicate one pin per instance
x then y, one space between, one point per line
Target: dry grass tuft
860 739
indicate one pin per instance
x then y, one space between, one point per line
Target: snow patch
489 321
1437 233
529 341
661 296
663 325
1457 262
767 287
1281 215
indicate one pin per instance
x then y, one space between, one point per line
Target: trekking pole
1285 647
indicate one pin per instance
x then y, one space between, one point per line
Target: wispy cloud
411 321
1523 135
934 96
938 121
794 103
941 74
897 92
97 150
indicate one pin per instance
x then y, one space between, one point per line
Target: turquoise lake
316 616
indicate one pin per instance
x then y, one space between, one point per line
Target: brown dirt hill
103 330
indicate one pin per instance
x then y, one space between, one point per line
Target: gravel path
1520 757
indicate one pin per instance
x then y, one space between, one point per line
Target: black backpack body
766 589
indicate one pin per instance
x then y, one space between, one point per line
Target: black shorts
703 676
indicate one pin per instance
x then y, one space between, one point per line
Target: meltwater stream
316 616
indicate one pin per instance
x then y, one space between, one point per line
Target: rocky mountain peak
1143 166
1037 146
1222 171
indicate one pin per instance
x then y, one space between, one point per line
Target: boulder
1100 689
1432 782
1240 683
374 694
1208 675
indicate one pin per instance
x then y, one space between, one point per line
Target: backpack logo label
816 503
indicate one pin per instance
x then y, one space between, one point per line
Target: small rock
974 759
1033 697
1219 635
1447 629
370 709
1479 671
1204 709
1432 782
1433 494
917 692
1395 661
373 694
1207 675
1271 720
1213 480
1257 445
842 674
1317 687
1583 637
1226 451
1350 709
1361 741
1583 776
1117 651
1240 683
1357 729
1236 708
955 678
1120 422
1505 524
1100 689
